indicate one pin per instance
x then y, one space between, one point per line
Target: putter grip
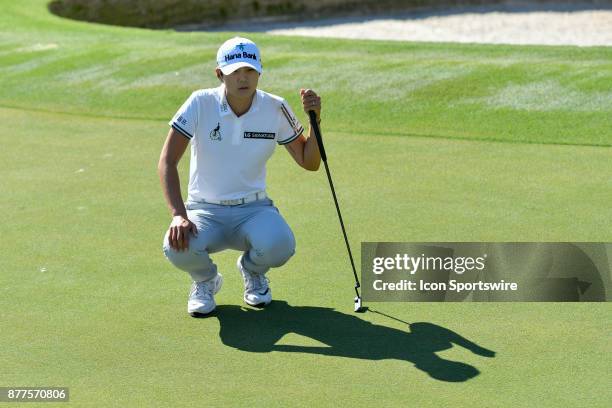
315 126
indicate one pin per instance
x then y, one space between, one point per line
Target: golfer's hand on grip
311 102
178 233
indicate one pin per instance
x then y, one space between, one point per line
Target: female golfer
233 130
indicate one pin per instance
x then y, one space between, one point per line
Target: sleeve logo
290 118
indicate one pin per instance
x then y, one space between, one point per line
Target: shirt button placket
237 131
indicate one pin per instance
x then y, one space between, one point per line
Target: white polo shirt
229 153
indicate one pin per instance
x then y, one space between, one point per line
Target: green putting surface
425 142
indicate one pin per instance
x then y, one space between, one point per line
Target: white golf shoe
257 291
202 296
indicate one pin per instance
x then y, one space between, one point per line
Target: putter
313 122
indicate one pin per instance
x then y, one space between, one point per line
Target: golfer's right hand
178 233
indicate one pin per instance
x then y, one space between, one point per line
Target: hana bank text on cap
236 53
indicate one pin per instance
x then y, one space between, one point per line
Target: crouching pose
233 130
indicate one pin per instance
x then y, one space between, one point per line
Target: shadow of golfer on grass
345 336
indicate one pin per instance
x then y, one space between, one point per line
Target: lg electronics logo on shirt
259 135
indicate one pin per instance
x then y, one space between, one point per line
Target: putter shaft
315 126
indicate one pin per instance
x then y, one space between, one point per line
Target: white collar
224 107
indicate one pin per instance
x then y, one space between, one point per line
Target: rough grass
516 94
88 301
170 13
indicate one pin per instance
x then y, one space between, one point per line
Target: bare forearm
312 157
311 102
169 178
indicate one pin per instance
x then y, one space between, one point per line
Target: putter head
358 307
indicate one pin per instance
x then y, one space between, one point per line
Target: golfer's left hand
311 102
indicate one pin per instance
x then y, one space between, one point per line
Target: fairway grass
426 143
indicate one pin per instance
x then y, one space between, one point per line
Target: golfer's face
242 82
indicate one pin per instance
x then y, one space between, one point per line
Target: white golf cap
236 53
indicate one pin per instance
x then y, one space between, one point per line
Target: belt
260 195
